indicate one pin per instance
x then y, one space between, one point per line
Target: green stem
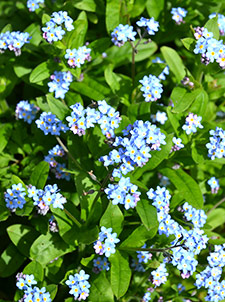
149 249
70 155
215 206
72 218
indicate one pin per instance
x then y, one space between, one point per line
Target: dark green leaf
39 175
120 273
5 133
10 261
154 7
100 289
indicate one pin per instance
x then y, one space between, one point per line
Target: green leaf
189 43
139 111
5 133
154 7
40 73
147 213
39 175
120 273
47 247
57 107
88 5
52 289
212 26
84 184
137 8
10 261
112 14
157 157
35 33
76 37
100 289
186 101
111 78
173 118
112 218
91 88
174 61
139 236
199 106
216 218
36 269
122 55
45 18
186 185
22 236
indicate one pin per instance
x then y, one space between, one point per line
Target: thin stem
133 62
216 205
150 249
72 217
99 192
68 152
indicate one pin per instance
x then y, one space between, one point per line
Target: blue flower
33 4
106 242
123 33
50 124
13 41
178 13
214 184
15 197
26 111
77 57
152 88
60 83
150 24
79 286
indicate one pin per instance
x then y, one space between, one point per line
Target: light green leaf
112 218
120 273
216 218
22 236
36 269
174 61
154 7
57 107
189 43
100 289
112 14
111 78
147 213
47 247
5 133
186 185
40 73
88 5
186 101
212 26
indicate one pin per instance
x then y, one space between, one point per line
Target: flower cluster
210 49
177 144
160 275
165 71
160 117
31 294
221 22
77 57
164 181
216 146
33 4
79 286
192 122
55 166
49 123
147 295
134 147
100 264
183 255
178 13
123 33
60 83
151 87
106 117
187 82
44 198
53 30
13 41
124 192
210 277
26 111
106 242
150 24
14 197
214 184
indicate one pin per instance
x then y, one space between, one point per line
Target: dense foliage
112 150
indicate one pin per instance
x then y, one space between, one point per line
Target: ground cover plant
112 150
